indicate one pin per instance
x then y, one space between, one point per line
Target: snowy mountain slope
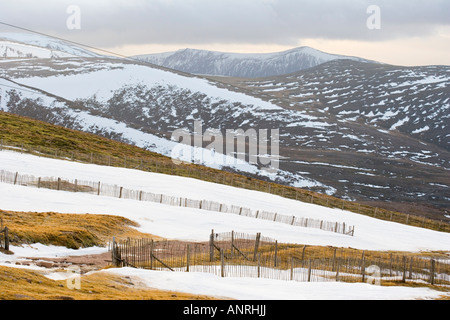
194 224
137 104
99 78
10 50
25 45
44 106
412 100
242 65
343 124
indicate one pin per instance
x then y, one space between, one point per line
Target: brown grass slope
20 284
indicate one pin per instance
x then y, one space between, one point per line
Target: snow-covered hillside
25 45
195 225
240 64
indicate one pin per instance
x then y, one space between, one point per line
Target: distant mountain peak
243 65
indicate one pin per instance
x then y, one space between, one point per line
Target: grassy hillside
42 138
19 284
69 230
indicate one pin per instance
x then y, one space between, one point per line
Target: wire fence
242 255
102 189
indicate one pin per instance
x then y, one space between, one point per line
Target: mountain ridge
243 65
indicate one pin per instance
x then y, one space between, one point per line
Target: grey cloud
119 22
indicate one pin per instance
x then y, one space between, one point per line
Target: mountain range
352 128
242 65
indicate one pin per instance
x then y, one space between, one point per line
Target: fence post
410 267
113 256
188 253
363 267
115 253
259 265
303 255
404 269
15 177
309 270
151 254
232 244
334 259
432 270
98 189
58 187
6 239
258 237
211 246
337 269
222 263
276 254
390 265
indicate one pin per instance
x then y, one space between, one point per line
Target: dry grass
20 284
69 230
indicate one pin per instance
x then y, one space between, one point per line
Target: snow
267 289
80 85
426 128
399 123
10 49
30 40
212 285
194 224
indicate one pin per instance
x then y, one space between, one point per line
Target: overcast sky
412 32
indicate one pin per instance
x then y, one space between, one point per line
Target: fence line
185 170
102 189
242 255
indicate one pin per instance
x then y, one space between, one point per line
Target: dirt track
86 263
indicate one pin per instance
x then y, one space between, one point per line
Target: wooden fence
242 255
102 189
4 236
168 167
